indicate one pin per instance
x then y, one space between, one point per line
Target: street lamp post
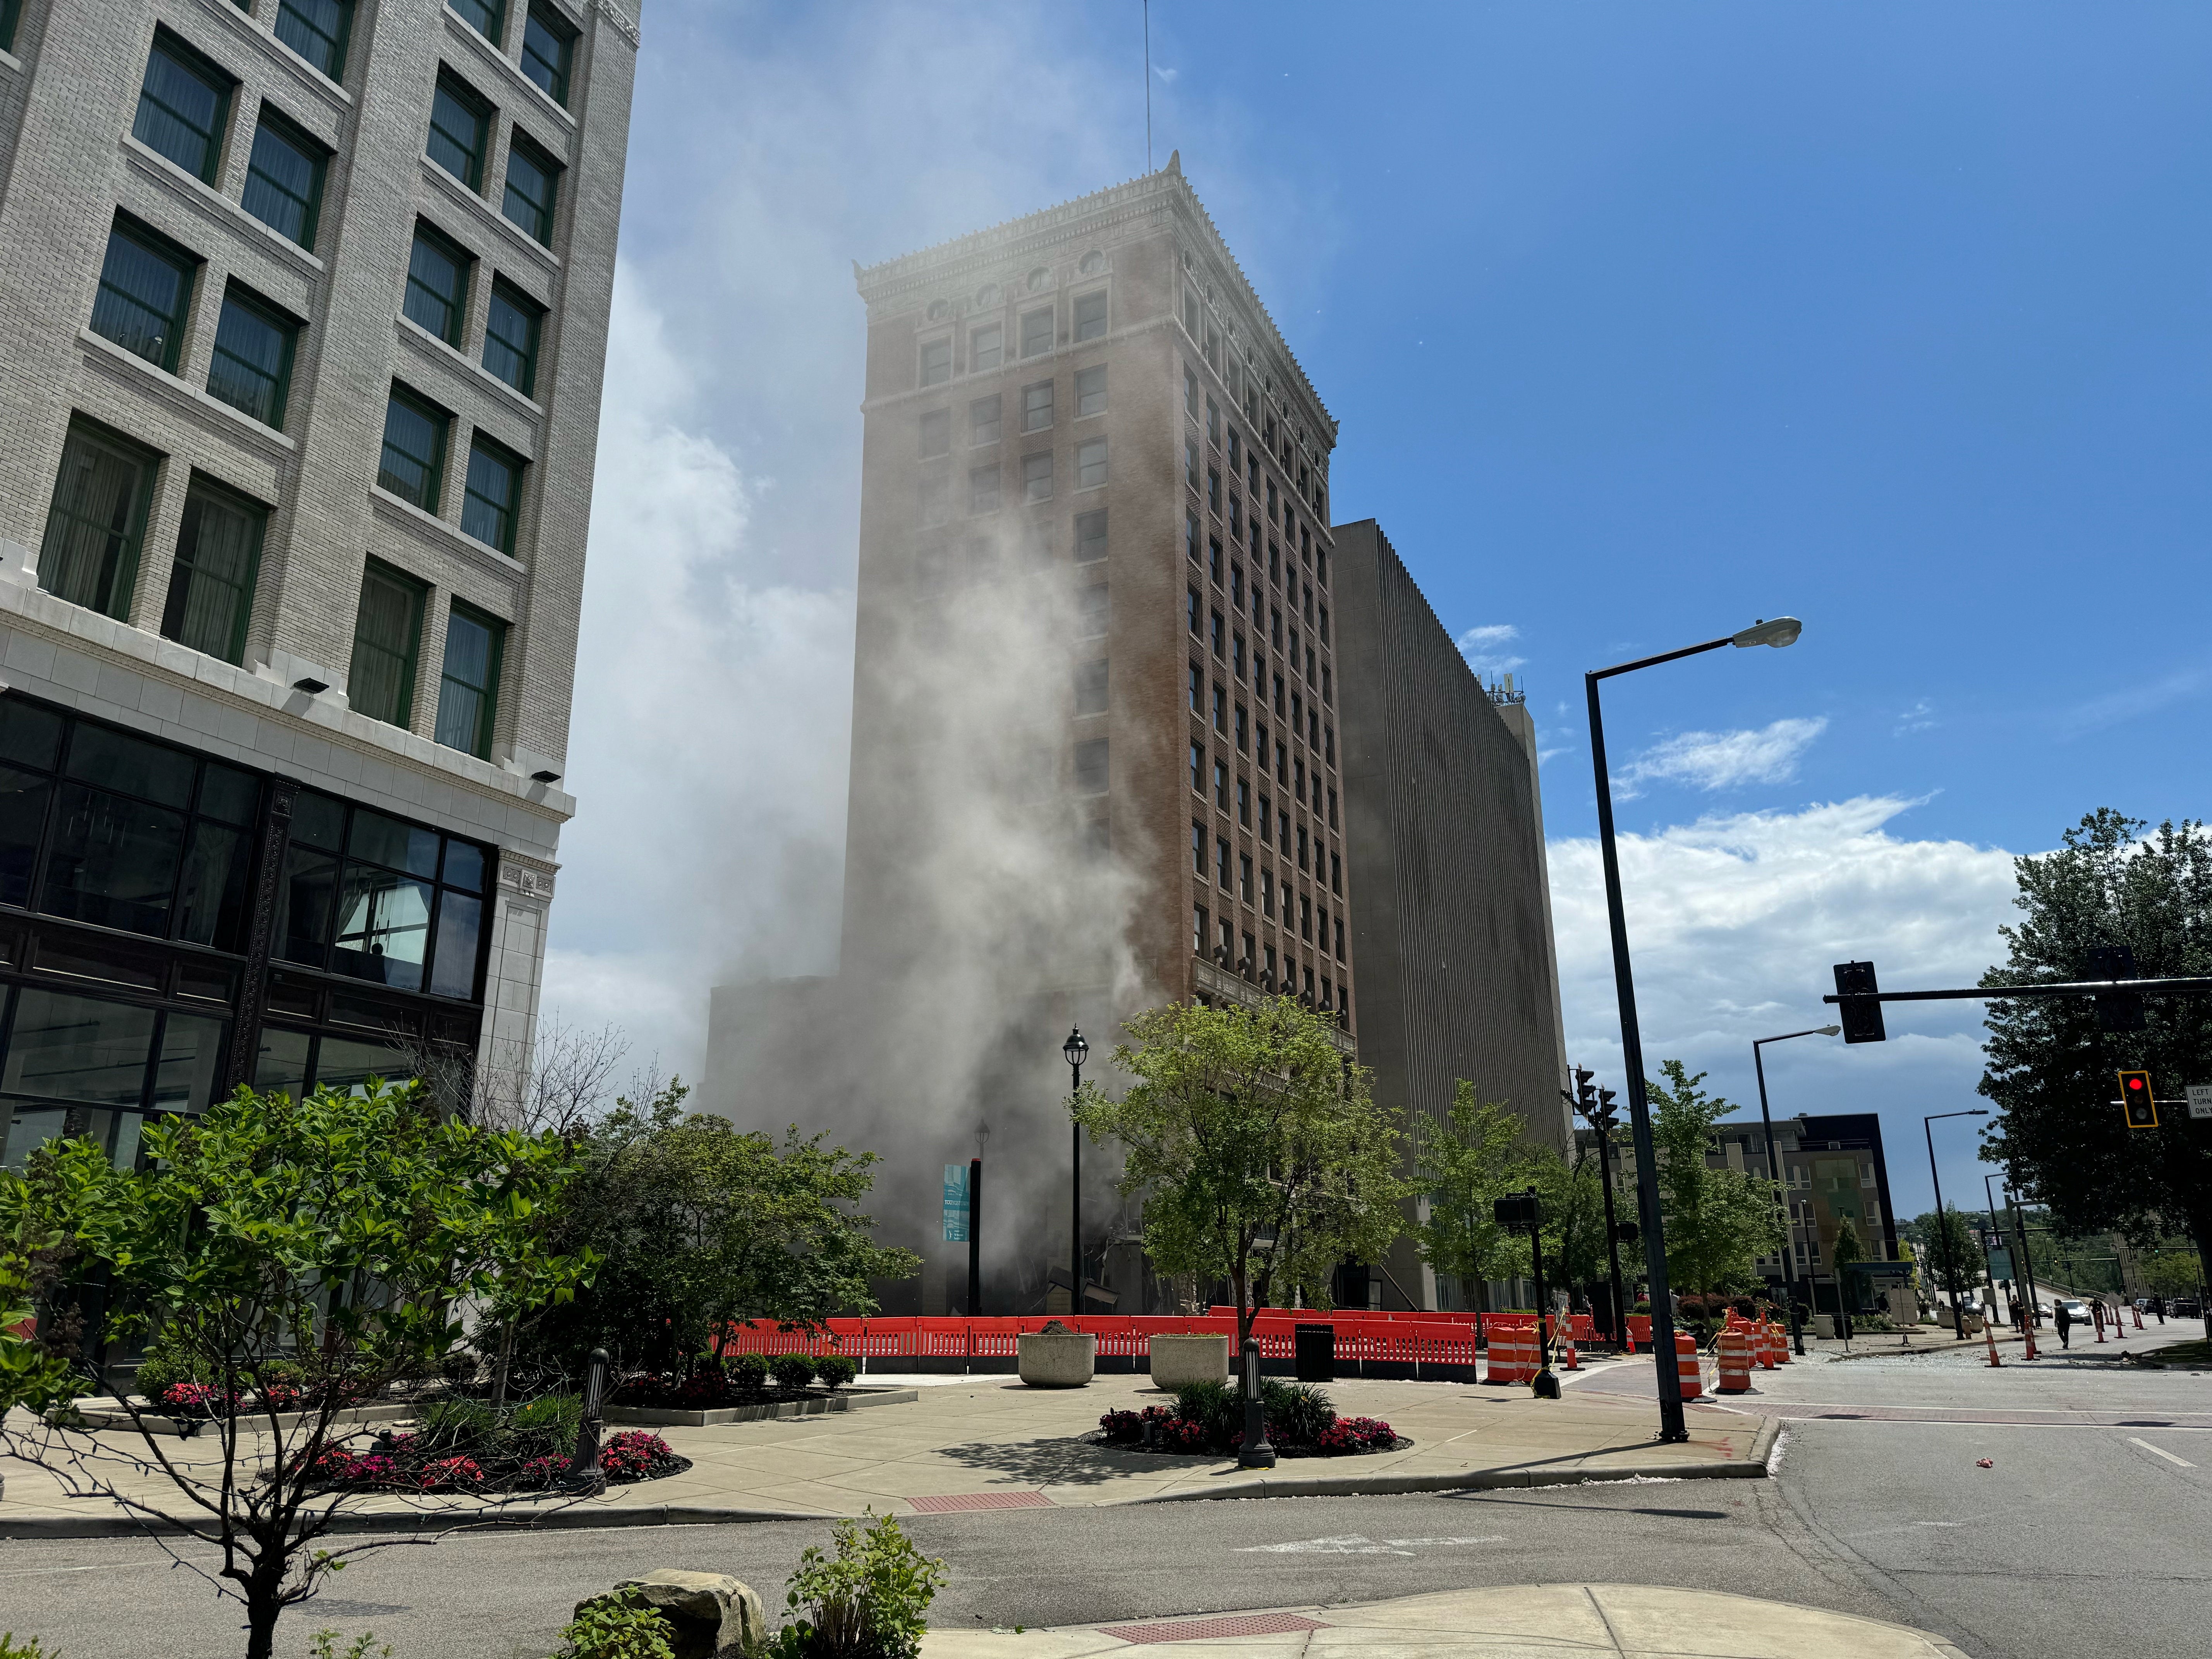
1774 1174
1783 630
1942 1227
1075 1050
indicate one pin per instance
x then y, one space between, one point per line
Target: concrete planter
846 1400
1178 1361
1056 1359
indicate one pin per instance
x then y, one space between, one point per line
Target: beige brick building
303 310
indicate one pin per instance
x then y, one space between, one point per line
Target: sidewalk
990 1442
1630 1621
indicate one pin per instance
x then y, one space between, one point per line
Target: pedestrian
2016 1320
2158 1307
2062 1317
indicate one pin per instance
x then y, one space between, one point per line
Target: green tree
1718 1221
2049 1066
2172 1273
1464 1165
1950 1254
1572 1194
700 1227
1261 1156
324 1243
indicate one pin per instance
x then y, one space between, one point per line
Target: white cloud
1722 760
1484 647
1733 924
1166 74
1919 718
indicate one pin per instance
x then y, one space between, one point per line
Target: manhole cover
950 1502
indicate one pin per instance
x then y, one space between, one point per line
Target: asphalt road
2077 1538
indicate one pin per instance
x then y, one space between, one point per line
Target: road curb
576 1518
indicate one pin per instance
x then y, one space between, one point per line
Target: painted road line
2156 1452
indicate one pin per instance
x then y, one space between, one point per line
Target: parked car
2184 1308
2076 1310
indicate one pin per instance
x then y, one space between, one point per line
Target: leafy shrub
633 1454
325 1645
835 1371
869 1601
163 1368
11 1648
791 1371
617 1625
455 1423
1213 1407
748 1372
1297 1412
545 1427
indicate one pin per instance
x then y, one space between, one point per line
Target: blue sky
1640 322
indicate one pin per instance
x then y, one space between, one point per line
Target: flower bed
1207 1419
422 1463
749 1380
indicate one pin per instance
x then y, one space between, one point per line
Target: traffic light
1586 1091
2137 1101
1625 1231
1862 1021
2116 1011
1518 1211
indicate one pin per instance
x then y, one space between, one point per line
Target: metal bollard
1255 1453
584 1476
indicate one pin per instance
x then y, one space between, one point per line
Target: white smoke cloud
1484 648
1722 760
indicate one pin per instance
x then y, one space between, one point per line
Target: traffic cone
2097 1313
1990 1331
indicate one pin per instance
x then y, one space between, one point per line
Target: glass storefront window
343 1063
111 860
282 1065
395 845
185 1071
383 928
211 898
459 920
23 819
72 1047
29 1127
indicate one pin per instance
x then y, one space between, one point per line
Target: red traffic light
2137 1100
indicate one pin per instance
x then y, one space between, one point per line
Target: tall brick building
303 310
1099 755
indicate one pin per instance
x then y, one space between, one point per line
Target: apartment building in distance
303 310
1451 911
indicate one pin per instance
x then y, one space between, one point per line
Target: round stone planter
1178 1361
1056 1359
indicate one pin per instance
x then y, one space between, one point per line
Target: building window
1236 519
1328 689
1036 476
11 13
1198 769
1324 625
252 367
1220 711
183 105
487 17
1090 391
1090 316
284 178
1214 559
90 554
1332 809
1190 535
983 420
1091 767
1090 465
1221 863
1267 806
510 348
936 499
212 584
1198 851
1198 922
1197 691
1220 636
936 434
1090 536
1235 464
1213 422
1339 924
468 686
413 463
983 489
547 49
144 294
936 361
317 30
387 910
1036 331
1244 878
1214 490
459 127
1221 784
1090 688
1302 846
1268 893
533 187
491 499
986 348
1037 406
1191 610
388 631
1189 393
437 297
1090 611
1336 872
1244 802
1190 464
1328 744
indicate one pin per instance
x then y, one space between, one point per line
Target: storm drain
1209 1630
950 1502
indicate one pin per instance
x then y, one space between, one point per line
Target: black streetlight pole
1783 630
1774 1174
1942 1225
1074 1051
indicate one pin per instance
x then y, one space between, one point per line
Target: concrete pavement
989 1441
1632 1621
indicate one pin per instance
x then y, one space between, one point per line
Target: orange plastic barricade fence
1686 1366
1736 1362
1639 1329
1512 1350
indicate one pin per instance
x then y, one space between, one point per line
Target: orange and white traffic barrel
1736 1362
1687 1367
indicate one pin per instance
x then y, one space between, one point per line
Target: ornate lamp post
1075 1050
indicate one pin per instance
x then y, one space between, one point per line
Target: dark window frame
504 293
411 659
481 443
184 574
488 713
284 130
335 70
441 420
122 579
535 155
287 328
169 252
218 79
464 263
475 104
561 73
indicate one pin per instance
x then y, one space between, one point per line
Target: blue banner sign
955 1204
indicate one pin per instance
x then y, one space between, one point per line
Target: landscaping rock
715 1615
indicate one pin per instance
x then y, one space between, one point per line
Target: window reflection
113 861
303 917
453 972
185 1071
211 899
282 1068
346 1064
22 817
74 1048
29 1127
383 928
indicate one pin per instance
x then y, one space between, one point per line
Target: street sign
2000 1262
2200 1100
1878 1270
955 1204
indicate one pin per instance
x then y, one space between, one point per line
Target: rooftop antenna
1148 85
